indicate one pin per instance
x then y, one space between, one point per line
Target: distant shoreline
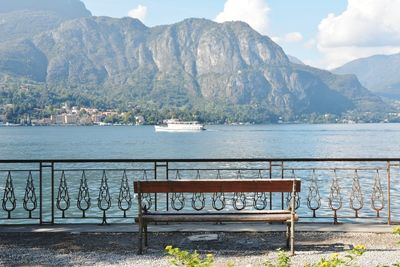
225 124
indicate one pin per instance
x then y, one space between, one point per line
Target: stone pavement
241 244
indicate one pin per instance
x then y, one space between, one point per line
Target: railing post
270 177
282 176
292 214
166 169
155 178
158 164
388 192
167 177
52 192
41 192
42 210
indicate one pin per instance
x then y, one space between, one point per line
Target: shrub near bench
217 186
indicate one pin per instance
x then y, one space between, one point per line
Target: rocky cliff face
193 59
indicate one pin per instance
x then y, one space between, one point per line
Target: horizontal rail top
149 160
212 186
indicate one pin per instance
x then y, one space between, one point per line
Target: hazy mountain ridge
379 73
295 60
65 8
196 59
21 19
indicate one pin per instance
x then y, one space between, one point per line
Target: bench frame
218 186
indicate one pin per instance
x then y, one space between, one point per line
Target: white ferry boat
174 125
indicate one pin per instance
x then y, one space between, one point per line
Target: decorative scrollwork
178 175
63 200
198 199
356 196
30 200
218 198
9 202
335 198
260 199
239 198
313 197
239 201
104 199
296 196
147 199
124 197
177 199
377 197
83 203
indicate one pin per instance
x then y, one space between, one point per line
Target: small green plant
336 261
184 258
282 261
396 231
180 257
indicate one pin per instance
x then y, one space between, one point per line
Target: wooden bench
217 186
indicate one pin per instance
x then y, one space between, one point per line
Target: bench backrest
214 186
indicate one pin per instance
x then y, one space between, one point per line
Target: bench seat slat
212 212
219 217
212 186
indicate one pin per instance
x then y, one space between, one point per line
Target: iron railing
100 190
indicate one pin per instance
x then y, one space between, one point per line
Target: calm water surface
275 141
327 140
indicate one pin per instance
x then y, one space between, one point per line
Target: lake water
284 140
219 141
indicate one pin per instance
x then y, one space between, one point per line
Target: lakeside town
90 116
79 116
67 115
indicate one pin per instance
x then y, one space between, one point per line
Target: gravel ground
241 249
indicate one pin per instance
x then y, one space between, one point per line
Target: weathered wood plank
219 218
211 212
211 186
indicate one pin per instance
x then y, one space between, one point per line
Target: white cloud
253 12
139 12
365 28
310 44
291 37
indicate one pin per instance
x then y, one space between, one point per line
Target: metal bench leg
140 245
145 235
292 239
287 235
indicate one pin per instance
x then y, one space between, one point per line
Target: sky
321 33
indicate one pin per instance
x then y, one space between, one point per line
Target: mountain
194 58
295 60
21 19
380 73
183 64
64 8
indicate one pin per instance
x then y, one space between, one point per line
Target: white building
70 119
